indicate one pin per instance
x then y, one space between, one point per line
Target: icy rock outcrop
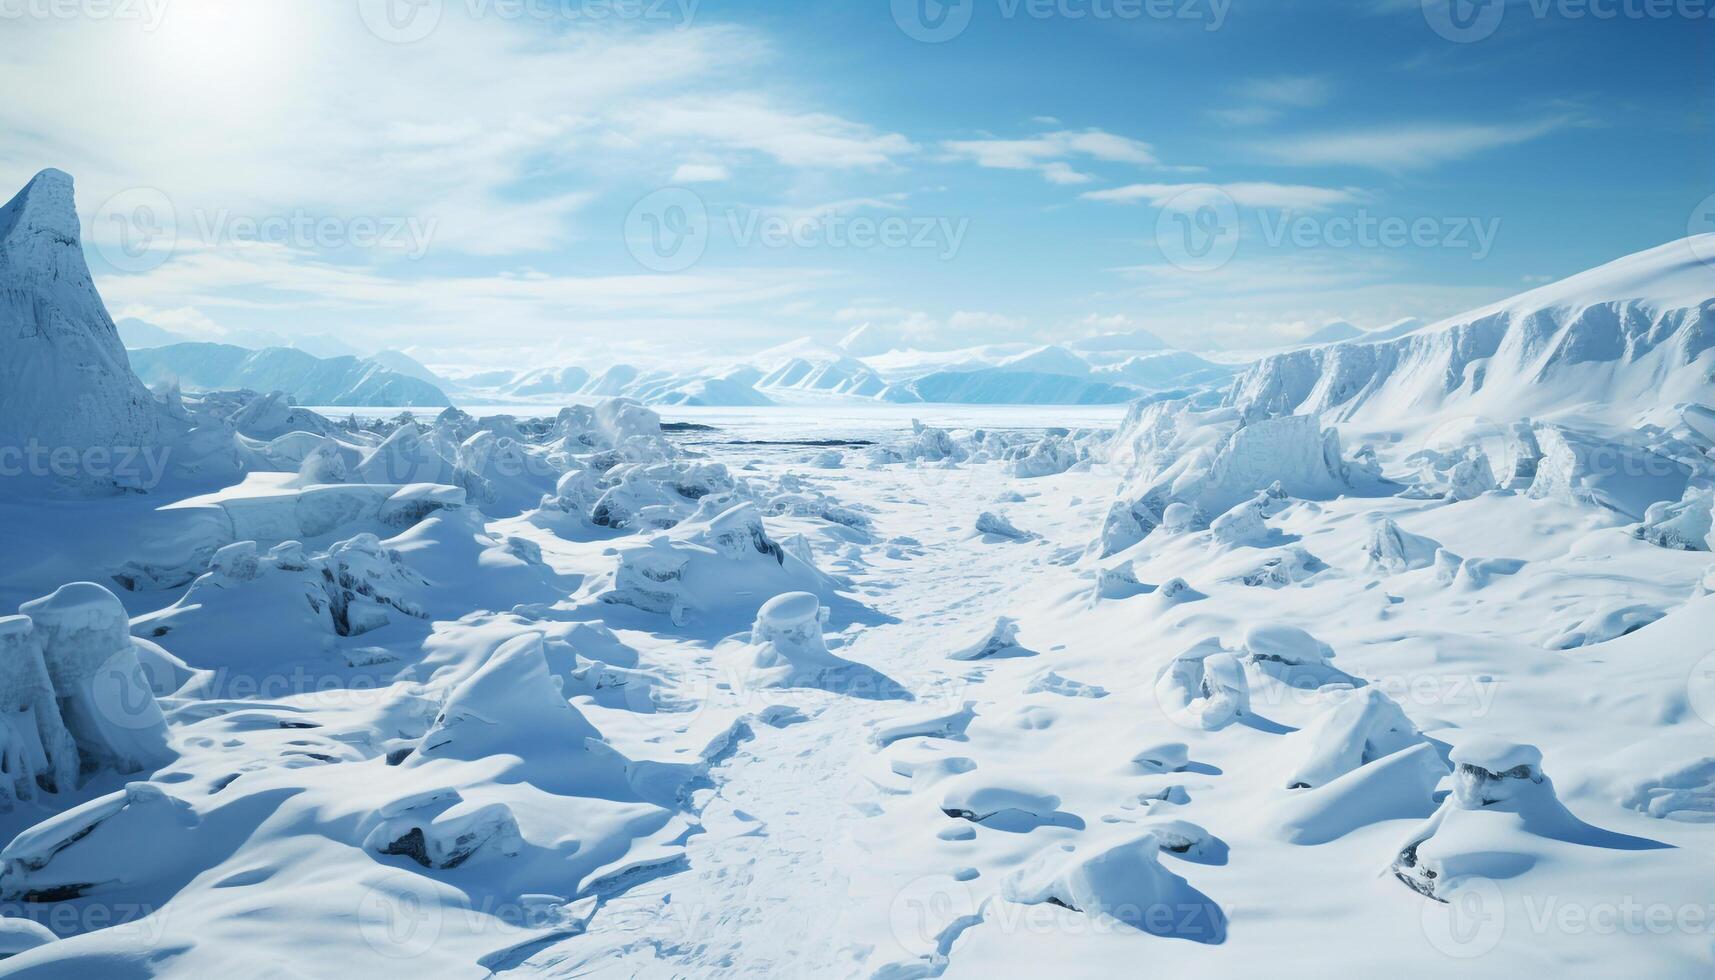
1123 881
1287 566
787 637
65 381
1591 470
78 852
977 796
1290 456
704 562
364 580
1358 728
438 829
1501 799
1245 523
1204 688
1292 655
1686 792
105 698
1684 525
35 748
1392 549
1607 621
1119 582
1001 641
786 649
998 526
511 708
1165 757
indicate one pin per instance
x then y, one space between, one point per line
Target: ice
1001 641
1392 550
65 381
1684 525
104 696
37 747
1204 687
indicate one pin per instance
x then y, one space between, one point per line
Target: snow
576 692
65 383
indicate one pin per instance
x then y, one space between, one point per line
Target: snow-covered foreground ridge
1224 690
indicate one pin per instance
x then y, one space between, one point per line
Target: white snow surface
1250 693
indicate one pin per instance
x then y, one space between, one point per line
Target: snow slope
1638 330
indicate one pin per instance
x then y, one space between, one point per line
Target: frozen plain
1395 659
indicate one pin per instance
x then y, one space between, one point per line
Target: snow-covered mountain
310 380
64 377
1639 330
1332 332
826 375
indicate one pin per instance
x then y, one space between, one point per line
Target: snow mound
1502 817
1391 549
1394 787
977 797
1684 793
1358 728
1684 525
707 563
1204 687
787 650
995 525
1001 641
1122 881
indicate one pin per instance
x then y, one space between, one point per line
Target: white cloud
1256 194
1298 91
754 122
1049 153
699 173
1406 147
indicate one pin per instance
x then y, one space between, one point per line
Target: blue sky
508 182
